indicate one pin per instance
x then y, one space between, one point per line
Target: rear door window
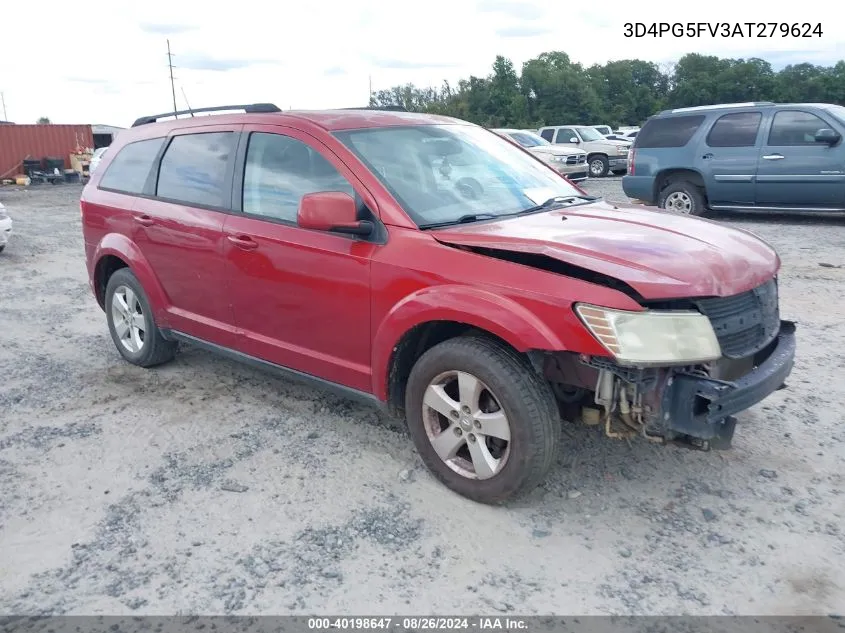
738 129
128 171
193 169
794 127
673 131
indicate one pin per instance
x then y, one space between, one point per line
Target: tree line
553 90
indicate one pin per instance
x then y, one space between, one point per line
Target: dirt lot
208 487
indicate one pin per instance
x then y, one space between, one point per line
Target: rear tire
684 197
131 323
484 423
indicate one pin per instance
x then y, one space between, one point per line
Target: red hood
660 254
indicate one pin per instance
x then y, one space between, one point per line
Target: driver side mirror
827 136
332 211
574 140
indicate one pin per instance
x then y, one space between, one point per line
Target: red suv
429 265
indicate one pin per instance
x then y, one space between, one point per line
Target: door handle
243 242
774 157
144 220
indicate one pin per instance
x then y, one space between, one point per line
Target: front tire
131 323
599 165
684 197
484 423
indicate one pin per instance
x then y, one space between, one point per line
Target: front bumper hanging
703 408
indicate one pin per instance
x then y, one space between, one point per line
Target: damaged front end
738 349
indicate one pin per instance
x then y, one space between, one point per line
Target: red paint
335 307
18 142
326 210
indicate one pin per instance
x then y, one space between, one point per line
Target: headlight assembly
652 337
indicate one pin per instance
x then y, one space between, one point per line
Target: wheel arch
431 316
115 252
665 177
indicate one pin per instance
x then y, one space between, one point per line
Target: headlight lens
558 159
652 337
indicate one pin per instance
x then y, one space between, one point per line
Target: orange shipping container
38 141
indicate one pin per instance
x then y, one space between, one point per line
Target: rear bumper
702 408
617 163
639 187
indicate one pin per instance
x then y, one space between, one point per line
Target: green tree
43 120
553 90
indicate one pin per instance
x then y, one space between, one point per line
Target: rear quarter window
128 171
673 131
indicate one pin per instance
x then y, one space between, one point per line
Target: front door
180 230
300 297
728 158
796 171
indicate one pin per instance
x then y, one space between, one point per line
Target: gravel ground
208 487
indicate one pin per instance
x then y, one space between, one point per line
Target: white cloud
108 64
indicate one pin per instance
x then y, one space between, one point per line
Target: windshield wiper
464 219
556 200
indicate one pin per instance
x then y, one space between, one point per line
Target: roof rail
251 108
388 108
718 106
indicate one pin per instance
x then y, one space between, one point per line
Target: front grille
571 160
744 323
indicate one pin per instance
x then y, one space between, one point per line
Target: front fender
479 308
122 247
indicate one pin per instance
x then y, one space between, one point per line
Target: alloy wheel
466 425
679 202
128 319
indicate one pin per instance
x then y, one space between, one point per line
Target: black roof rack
251 108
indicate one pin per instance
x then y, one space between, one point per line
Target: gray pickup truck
761 156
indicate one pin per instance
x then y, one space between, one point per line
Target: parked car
5 227
96 157
569 161
741 157
603 155
330 247
624 135
604 130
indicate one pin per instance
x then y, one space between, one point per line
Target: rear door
180 229
728 158
795 171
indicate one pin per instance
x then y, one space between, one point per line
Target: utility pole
3 99
172 85
371 90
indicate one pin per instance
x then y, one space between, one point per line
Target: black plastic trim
697 406
286 372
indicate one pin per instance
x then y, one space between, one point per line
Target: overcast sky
105 61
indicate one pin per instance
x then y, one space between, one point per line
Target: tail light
631 153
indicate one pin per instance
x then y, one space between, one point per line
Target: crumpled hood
660 254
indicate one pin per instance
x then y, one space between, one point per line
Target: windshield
527 139
590 134
444 173
838 112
